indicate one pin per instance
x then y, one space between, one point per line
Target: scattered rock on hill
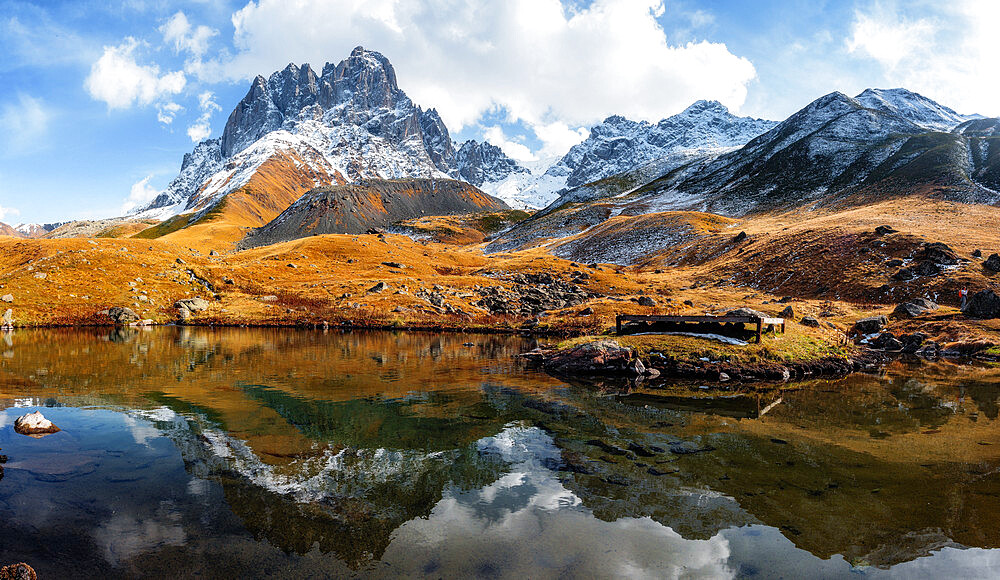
894 263
746 312
192 304
938 253
883 230
7 321
914 308
809 321
788 312
871 325
380 287
977 253
646 301
122 315
7 297
912 342
926 268
983 304
992 263
34 424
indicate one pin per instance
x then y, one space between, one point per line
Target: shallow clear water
253 453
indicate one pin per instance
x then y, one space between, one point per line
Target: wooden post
760 329
618 324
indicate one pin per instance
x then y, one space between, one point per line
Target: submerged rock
34 424
19 571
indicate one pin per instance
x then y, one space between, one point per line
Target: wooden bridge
759 321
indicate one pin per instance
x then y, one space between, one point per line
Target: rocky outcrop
870 325
983 304
600 357
532 294
992 263
478 163
914 308
122 315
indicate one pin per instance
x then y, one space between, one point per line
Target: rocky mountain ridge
350 122
835 151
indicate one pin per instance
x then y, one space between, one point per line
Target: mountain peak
913 107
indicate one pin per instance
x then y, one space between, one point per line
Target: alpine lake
244 453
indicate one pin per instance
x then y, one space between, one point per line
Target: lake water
281 453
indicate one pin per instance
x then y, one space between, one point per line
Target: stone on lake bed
34 424
19 571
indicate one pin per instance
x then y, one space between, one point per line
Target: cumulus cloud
540 60
140 194
24 125
201 129
512 148
167 112
941 54
179 32
121 82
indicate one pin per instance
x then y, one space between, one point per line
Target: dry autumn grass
827 264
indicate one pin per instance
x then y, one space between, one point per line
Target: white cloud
165 113
513 149
537 59
141 194
23 125
121 82
7 211
888 37
945 54
558 137
186 38
201 129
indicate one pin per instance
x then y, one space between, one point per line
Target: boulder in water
34 424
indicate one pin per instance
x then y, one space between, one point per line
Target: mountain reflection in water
275 452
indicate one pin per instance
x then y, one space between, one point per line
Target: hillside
836 152
6 230
359 207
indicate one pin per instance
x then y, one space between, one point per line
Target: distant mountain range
297 131
836 150
352 122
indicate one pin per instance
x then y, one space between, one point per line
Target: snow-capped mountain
836 150
618 145
36 230
913 107
348 123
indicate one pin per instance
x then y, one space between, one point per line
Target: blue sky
101 100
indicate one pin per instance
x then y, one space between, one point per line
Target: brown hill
371 203
6 230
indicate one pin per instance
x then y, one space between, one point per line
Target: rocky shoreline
608 358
